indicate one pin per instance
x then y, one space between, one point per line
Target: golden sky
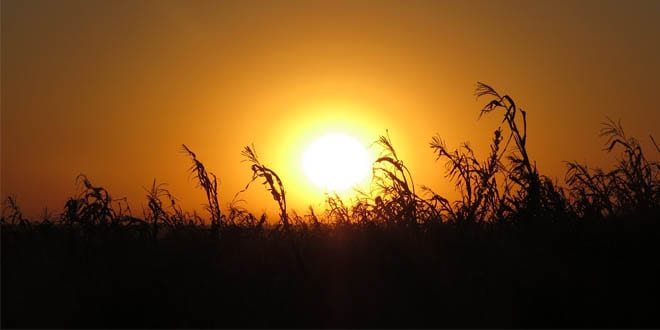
112 88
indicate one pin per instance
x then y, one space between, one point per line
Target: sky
112 88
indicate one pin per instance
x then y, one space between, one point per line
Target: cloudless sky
112 88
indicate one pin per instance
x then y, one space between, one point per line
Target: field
516 250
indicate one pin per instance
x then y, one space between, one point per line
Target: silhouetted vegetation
515 250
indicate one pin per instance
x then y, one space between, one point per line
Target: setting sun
336 162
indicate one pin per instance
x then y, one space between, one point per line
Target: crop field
516 249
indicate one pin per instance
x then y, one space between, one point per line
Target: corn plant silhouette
392 198
94 211
209 183
337 210
274 185
397 190
159 214
15 216
633 186
272 182
521 171
480 196
92 207
521 194
240 217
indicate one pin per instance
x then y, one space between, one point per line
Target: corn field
516 249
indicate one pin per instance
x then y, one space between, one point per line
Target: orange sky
112 88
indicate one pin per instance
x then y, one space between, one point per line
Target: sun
336 162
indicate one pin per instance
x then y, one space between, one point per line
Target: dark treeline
515 250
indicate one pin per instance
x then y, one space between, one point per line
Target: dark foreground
573 274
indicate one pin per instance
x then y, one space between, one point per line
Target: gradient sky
112 88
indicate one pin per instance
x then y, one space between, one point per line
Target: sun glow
336 162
